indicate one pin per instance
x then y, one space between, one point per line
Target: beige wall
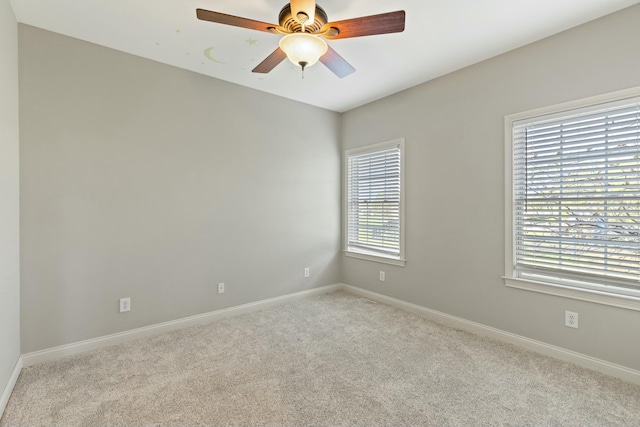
146 181
9 197
455 184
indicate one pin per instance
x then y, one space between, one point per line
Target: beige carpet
331 360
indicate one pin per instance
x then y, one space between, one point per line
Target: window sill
375 258
606 298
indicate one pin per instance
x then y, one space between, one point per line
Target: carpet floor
329 360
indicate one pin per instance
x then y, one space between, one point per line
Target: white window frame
600 293
359 253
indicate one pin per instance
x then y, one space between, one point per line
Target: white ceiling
440 36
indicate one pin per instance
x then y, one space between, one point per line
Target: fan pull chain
303 18
303 64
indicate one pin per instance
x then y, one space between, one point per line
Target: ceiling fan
304 26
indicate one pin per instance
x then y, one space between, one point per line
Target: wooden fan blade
308 7
270 62
236 21
336 63
391 22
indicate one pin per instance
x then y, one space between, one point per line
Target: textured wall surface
146 181
455 184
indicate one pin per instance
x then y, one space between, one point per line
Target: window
575 199
374 202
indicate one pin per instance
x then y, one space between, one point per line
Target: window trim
630 300
363 254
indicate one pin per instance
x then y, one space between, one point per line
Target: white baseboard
8 389
598 365
608 368
54 353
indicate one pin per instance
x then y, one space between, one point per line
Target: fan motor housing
290 23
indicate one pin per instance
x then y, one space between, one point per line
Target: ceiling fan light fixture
303 49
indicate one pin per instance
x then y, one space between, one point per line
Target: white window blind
576 196
374 202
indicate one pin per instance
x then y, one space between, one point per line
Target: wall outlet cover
125 304
571 319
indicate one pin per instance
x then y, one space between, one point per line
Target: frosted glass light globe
303 49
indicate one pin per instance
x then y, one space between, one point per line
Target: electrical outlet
306 272
221 288
125 304
381 276
571 319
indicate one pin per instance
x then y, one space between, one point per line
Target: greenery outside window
374 218
573 199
